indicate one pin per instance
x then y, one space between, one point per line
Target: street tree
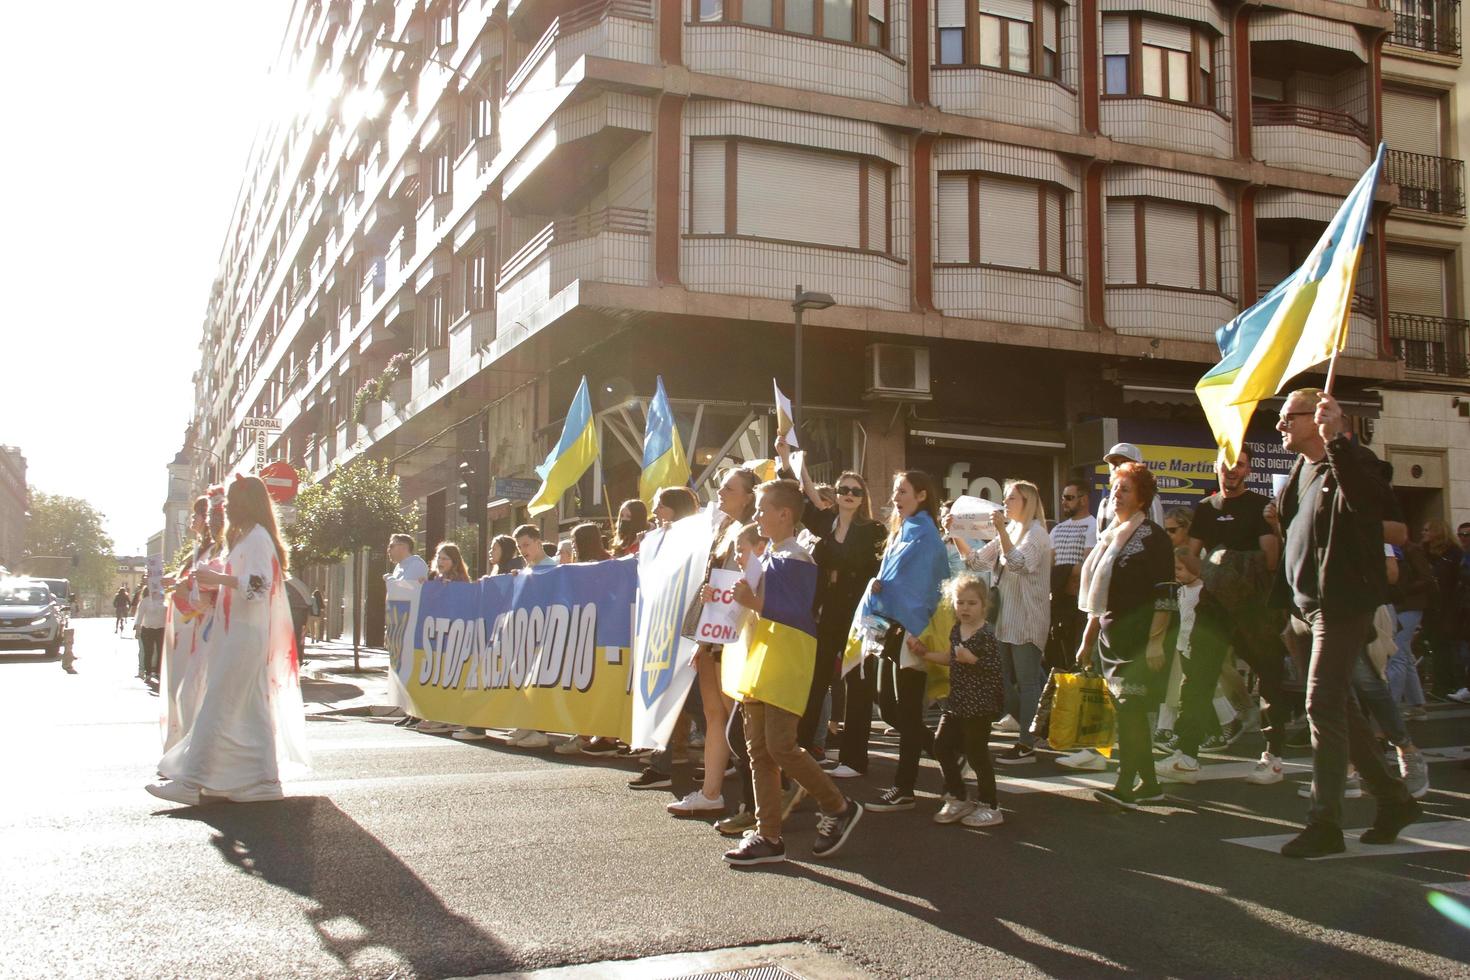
65 539
356 509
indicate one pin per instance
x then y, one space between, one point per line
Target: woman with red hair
1127 593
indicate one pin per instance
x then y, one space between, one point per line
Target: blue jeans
1403 674
1021 665
1374 695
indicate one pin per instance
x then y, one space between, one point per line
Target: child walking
976 698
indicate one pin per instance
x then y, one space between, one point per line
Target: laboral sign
548 651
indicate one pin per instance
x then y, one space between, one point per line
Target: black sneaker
1120 798
1017 755
833 829
755 849
1317 840
893 800
600 746
406 721
1391 818
1232 732
1166 741
651 778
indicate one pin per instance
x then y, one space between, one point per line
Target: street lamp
804 301
415 51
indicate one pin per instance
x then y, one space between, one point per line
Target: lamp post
803 301
414 51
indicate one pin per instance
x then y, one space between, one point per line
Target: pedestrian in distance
120 606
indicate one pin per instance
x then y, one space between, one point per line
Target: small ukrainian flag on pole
573 455
664 463
1296 326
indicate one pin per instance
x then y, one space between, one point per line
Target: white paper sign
1278 483
722 618
972 519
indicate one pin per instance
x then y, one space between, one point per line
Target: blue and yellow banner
774 663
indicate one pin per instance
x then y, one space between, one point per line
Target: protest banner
721 619
970 519
547 651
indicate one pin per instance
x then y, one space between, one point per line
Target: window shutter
1115 35
954 218
1171 244
1210 244
1010 224
1273 263
1012 9
1411 121
1416 283
707 210
877 207
878 10
1121 242
796 195
1167 34
1056 236
951 13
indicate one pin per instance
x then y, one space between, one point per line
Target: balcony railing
572 21
1432 344
1426 25
630 221
1291 114
1426 183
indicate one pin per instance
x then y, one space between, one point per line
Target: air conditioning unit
897 373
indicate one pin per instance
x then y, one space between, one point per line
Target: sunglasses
1288 416
1171 529
851 492
1071 496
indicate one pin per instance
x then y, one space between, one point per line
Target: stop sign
280 481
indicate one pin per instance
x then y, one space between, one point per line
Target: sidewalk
330 686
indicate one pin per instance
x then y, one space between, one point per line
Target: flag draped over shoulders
774 664
913 569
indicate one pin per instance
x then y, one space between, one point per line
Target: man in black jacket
1333 577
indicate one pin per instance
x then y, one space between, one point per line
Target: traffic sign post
281 481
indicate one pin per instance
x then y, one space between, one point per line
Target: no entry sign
280 481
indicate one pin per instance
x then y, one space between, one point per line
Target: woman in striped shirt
1020 558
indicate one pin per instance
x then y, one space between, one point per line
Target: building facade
15 504
1032 216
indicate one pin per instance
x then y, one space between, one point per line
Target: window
443 18
1158 59
1001 34
474 273
433 321
1164 243
441 165
785 193
990 220
480 116
862 22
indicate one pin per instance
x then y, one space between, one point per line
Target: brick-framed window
1022 36
861 22
1004 222
1167 244
1158 59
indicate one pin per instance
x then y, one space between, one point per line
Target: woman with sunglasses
849 544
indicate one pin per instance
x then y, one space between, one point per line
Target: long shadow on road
310 847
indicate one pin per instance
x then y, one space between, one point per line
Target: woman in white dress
250 727
187 632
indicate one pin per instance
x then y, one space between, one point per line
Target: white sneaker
259 793
1008 724
433 727
696 803
572 746
983 816
516 735
469 735
1416 774
535 740
1351 790
1178 768
1266 772
953 810
1462 695
1090 759
843 772
174 792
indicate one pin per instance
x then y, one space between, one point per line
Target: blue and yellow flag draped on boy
774 665
573 455
664 463
1297 325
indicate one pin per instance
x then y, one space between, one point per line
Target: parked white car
30 618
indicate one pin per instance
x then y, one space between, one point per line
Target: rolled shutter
951 13
877 207
707 209
878 10
1012 9
954 218
1167 34
1210 248
1056 236
1010 224
797 195
1411 121
1115 35
1273 263
1416 283
1121 243
1171 244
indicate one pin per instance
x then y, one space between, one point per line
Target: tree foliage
69 527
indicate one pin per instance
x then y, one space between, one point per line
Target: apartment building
1031 215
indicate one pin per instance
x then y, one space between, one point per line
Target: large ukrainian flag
574 453
774 666
664 463
1297 325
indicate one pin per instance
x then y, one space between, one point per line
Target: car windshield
24 595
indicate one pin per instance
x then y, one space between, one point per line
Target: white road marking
1442 835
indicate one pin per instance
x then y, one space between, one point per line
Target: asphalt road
412 855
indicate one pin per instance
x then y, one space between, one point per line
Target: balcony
1426 25
611 245
429 368
468 335
1305 137
1435 185
1437 345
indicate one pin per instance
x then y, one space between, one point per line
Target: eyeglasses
851 492
1071 496
1286 417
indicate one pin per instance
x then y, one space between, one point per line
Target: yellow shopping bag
1082 713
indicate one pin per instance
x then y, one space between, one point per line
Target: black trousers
859 687
901 702
1067 625
823 673
1256 638
151 639
1197 720
970 736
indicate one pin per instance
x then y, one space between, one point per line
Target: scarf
1097 570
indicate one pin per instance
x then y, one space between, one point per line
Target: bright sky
129 125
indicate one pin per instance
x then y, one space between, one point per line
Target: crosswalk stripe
1442 835
1461 887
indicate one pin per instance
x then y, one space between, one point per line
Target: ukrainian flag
1296 326
574 453
774 665
664 463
